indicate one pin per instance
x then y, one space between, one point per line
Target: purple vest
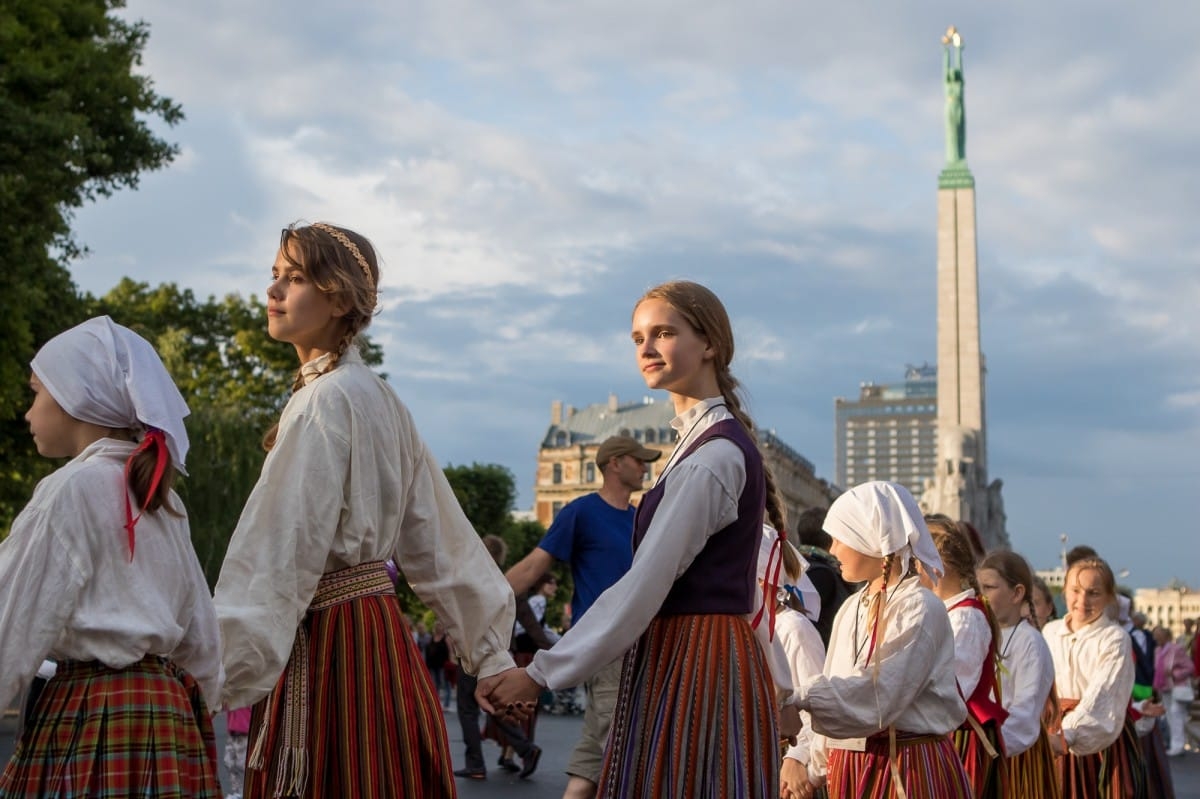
722 578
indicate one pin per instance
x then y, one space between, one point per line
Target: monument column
960 488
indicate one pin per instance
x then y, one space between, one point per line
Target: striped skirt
927 765
1118 772
106 733
1034 772
988 775
367 722
695 715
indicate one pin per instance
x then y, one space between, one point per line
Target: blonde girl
887 700
314 635
697 712
98 574
976 649
1093 671
1026 676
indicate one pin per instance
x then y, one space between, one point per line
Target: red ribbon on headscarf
771 586
154 437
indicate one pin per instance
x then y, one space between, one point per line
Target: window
557 474
650 435
560 438
554 509
590 473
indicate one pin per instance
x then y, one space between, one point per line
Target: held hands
511 693
793 780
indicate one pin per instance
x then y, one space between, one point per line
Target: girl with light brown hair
314 634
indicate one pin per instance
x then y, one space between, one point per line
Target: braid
1033 619
728 385
888 561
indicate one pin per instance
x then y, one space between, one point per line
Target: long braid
728 385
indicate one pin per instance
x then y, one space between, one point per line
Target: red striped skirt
927 765
106 733
695 715
373 723
1118 772
1034 772
988 775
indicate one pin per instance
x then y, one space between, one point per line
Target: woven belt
335 588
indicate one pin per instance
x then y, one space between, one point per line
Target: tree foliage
74 125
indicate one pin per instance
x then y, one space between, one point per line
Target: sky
528 169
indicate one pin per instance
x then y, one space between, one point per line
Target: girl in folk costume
976 650
1093 672
1026 676
697 715
805 654
887 700
126 613
313 630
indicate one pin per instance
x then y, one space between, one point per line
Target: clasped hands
511 693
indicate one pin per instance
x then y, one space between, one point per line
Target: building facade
566 465
889 432
1168 606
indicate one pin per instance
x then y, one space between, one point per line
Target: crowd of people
886 656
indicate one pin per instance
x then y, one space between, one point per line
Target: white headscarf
881 518
102 373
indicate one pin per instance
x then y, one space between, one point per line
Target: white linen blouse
1026 676
69 590
972 635
915 688
349 481
1094 665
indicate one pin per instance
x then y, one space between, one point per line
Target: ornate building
567 456
1168 606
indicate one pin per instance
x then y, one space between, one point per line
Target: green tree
74 126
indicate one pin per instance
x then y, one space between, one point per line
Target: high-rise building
889 432
566 466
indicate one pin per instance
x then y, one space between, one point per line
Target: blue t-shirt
597 540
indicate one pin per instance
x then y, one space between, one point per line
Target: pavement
557 736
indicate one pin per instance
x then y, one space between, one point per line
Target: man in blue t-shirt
594 534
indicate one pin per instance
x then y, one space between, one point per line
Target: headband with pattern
349 244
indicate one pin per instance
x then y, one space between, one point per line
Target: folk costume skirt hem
103 733
695 715
1034 772
373 723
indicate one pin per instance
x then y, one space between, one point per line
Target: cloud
528 170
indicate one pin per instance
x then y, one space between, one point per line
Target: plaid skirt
928 767
695 715
371 720
1034 772
988 775
104 733
1118 772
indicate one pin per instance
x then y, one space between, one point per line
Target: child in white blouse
887 699
1026 675
1101 757
112 592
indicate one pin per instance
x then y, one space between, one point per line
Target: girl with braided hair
697 713
314 635
976 654
887 700
1026 676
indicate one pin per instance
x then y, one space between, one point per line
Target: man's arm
524 573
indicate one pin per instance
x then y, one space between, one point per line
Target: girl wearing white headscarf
112 592
887 699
